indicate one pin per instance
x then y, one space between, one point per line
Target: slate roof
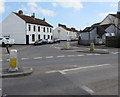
67 28
115 15
29 19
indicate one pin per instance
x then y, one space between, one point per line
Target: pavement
61 72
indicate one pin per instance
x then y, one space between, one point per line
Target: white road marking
80 55
70 55
24 58
1 60
88 89
49 56
37 57
8 60
61 56
73 69
89 54
114 52
97 54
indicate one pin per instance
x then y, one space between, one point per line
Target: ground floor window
51 37
44 37
33 37
48 36
38 36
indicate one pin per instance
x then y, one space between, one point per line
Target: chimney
20 12
119 6
118 13
43 19
33 15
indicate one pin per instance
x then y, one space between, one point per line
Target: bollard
13 60
92 47
67 45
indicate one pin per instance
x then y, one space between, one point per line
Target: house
97 33
26 29
113 19
64 33
94 34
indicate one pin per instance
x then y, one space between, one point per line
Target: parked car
6 41
56 40
40 42
49 41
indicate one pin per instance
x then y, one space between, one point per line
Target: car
40 42
6 41
49 41
56 40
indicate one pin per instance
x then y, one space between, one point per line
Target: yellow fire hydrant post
13 61
92 47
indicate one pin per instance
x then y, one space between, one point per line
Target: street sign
58 30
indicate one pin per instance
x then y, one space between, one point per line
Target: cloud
34 7
2 6
103 15
113 5
75 5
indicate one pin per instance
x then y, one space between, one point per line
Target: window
29 27
33 37
44 36
47 29
39 36
48 36
51 37
33 28
50 30
38 28
44 29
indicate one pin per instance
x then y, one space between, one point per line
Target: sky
73 14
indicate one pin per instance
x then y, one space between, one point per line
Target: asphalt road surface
58 72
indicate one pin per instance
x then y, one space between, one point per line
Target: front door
27 39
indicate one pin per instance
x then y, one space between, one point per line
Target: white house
64 33
95 33
26 29
112 19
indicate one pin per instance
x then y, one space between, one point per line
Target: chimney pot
20 12
33 15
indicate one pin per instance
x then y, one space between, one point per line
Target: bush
113 41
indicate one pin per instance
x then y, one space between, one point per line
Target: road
62 72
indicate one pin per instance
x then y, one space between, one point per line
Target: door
27 39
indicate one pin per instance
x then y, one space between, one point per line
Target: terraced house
26 29
65 33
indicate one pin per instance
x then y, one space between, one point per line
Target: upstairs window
44 29
33 28
50 30
47 29
38 28
29 27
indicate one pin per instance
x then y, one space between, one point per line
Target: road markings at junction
80 55
89 54
87 89
37 58
61 56
114 52
49 56
79 68
97 54
24 58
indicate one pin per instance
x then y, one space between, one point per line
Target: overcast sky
73 14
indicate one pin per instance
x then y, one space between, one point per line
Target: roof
115 15
67 28
29 19
88 29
